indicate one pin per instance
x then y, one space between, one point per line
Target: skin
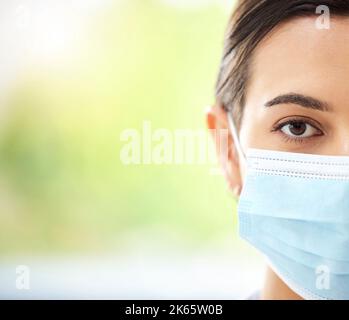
296 58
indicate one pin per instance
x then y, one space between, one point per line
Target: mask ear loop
237 146
235 135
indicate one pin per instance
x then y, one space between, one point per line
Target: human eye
298 129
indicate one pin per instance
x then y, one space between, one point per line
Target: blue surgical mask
294 208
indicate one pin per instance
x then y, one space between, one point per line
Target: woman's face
297 98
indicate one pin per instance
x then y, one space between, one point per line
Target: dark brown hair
251 21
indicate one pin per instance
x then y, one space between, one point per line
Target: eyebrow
299 99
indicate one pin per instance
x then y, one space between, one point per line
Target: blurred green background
81 78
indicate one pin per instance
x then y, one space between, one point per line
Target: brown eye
299 129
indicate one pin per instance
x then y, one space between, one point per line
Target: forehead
298 57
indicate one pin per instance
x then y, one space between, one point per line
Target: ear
217 122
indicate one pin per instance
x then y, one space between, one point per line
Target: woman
283 92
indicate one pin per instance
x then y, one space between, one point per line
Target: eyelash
287 138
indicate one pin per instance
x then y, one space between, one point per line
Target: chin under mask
294 208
